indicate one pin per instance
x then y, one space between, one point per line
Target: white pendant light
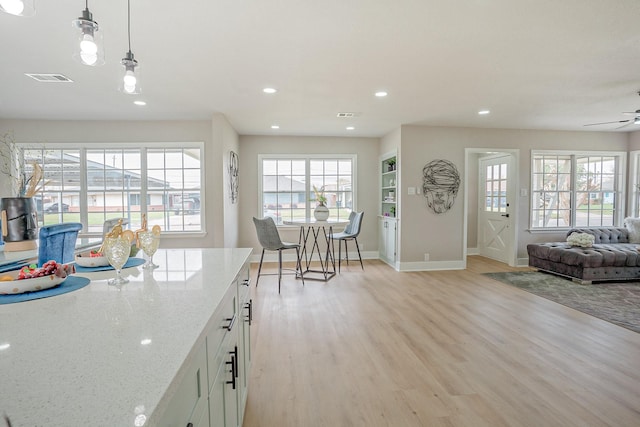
88 45
130 82
18 7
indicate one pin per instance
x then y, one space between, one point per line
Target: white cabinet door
223 396
216 397
244 352
190 399
391 240
226 385
388 240
382 244
201 419
244 338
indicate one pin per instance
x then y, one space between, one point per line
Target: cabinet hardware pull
246 282
233 368
231 321
249 306
235 357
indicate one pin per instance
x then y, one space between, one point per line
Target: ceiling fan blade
608 123
631 122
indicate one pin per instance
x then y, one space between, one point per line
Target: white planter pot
321 213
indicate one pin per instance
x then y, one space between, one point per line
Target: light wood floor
449 348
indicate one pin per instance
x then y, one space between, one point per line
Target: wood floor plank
447 348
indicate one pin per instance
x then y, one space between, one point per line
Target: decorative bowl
14 286
86 260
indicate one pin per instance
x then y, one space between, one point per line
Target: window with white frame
287 183
576 190
89 185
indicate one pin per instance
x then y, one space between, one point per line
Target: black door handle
505 215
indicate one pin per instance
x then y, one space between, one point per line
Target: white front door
495 219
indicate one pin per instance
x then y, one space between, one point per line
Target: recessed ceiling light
275 127
483 112
381 94
269 90
350 128
140 103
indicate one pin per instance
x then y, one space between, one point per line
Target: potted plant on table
18 214
321 212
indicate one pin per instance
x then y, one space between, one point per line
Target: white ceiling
535 64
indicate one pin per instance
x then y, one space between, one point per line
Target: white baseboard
520 262
290 256
432 265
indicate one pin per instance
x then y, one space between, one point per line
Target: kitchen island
103 356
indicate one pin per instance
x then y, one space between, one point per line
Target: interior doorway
491 212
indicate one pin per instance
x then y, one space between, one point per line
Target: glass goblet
149 243
117 249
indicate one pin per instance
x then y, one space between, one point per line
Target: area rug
618 303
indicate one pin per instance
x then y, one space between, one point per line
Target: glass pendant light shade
88 44
18 7
130 81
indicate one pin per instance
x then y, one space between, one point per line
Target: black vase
19 219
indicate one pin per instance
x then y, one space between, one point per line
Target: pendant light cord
128 22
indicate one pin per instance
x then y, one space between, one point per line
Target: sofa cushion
633 226
584 240
600 255
605 235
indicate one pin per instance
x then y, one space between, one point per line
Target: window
286 187
635 184
576 190
495 193
90 185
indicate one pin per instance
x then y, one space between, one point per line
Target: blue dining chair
108 224
58 242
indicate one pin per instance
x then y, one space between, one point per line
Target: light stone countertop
102 356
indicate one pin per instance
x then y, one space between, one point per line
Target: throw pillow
584 240
633 225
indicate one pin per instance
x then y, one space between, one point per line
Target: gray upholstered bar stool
270 241
350 232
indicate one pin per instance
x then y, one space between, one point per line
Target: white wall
391 141
104 132
441 235
634 141
472 199
420 230
366 150
225 214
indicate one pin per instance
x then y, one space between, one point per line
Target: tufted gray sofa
612 257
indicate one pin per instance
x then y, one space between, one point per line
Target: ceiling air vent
50 78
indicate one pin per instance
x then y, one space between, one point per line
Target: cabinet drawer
224 319
191 395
